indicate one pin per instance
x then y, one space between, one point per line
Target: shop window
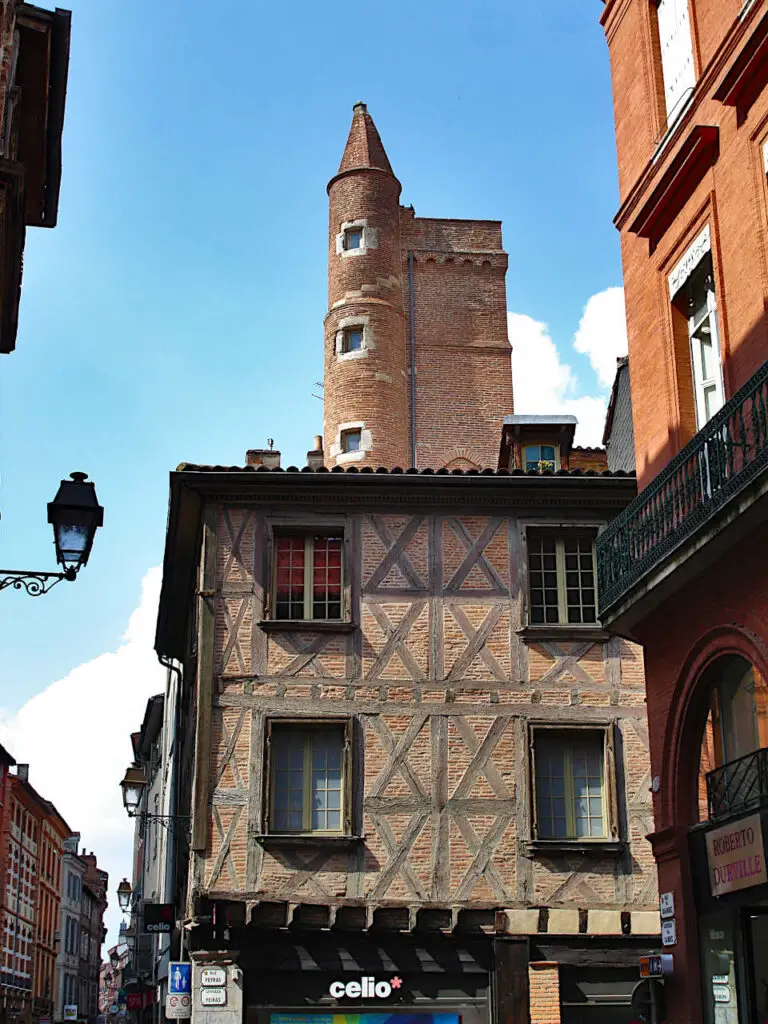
572 784
308 576
309 774
561 578
541 457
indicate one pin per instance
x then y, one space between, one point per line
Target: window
677 68
351 440
353 238
561 578
569 784
352 339
308 576
309 770
540 456
696 300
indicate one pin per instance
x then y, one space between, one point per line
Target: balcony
679 507
739 786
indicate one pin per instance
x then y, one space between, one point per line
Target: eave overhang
571 493
748 72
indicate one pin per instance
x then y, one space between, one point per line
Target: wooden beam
206 619
510 981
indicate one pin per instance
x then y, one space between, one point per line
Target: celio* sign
366 988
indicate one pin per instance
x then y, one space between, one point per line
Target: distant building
34 834
81 926
619 435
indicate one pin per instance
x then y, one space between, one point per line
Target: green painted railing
721 460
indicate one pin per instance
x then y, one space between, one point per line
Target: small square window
350 440
353 238
569 784
540 456
308 768
352 339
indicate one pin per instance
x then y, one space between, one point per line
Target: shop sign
213 977
213 997
736 856
366 988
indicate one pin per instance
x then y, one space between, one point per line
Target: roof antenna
271 443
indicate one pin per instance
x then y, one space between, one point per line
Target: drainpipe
413 358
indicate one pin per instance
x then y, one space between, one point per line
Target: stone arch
461 458
688 710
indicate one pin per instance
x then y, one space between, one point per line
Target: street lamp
75 515
124 893
133 785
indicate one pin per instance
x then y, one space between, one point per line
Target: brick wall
544 982
731 197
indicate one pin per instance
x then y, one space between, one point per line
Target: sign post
178 1002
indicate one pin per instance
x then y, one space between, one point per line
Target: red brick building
683 570
32 839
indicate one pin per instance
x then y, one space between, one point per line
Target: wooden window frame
611 841
556 462
561 534
354 231
309 526
305 725
345 434
347 332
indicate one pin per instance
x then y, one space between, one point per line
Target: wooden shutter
611 793
532 783
267 777
348 763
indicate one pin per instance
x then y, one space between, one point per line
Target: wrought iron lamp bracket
35 583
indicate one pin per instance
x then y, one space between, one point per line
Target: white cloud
543 383
602 333
75 736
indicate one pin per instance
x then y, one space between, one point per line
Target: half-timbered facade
410 752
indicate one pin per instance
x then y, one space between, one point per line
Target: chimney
316 458
22 771
267 457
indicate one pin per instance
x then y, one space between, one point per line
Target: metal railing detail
738 786
724 456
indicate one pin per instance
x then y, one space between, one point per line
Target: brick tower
366 386
417 360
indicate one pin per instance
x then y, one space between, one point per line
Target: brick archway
687 717
461 458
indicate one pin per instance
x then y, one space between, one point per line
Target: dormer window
541 457
350 440
353 238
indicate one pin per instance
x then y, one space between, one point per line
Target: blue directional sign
179 979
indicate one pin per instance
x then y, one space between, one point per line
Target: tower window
353 238
352 339
350 440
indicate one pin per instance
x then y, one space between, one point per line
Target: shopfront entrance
732 899
322 979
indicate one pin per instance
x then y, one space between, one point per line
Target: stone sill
593 847
298 840
535 634
306 626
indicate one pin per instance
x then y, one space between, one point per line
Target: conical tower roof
364 147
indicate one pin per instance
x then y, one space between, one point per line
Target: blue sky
175 313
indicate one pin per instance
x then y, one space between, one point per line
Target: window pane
289 597
550 789
542 579
288 781
353 238
569 786
326 578
326 781
354 340
350 440
579 579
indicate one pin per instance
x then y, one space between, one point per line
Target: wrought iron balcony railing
721 460
738 786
